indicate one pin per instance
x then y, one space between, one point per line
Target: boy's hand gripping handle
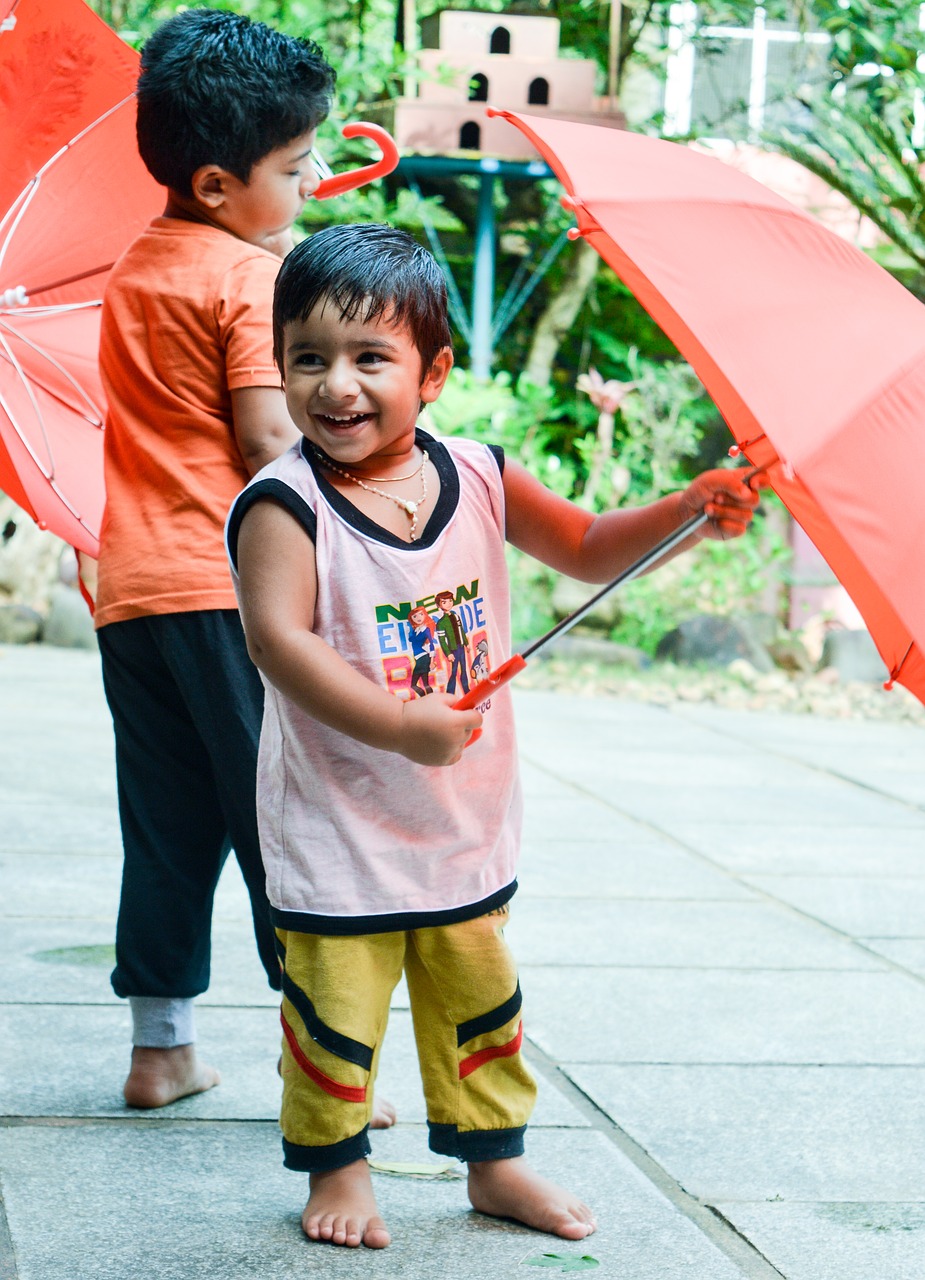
485 688
353 178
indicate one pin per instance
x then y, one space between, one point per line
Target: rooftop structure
512 61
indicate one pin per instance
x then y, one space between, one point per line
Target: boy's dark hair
217 88
367 270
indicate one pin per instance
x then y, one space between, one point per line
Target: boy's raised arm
597 548
276 567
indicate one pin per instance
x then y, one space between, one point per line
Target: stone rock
69 624
19 624
713 641
568 595
29 558
606 652
854 656
790 654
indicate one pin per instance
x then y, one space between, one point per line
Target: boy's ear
436 376
210 185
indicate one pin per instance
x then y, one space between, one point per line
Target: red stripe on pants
349 1093
476 1060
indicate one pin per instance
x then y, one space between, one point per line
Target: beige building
471 60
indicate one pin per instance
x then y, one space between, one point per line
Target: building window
470 136
478 88
538 93
733 82
500 41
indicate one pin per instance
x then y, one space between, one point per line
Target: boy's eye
370 357
306 360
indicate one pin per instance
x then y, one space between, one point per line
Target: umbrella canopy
814 355
75 194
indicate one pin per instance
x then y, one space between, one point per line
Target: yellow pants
465 1004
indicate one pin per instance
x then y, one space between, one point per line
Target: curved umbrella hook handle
354 178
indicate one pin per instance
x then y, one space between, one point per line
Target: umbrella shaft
633 571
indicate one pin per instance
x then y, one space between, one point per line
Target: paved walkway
722 934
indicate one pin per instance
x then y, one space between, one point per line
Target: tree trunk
559 315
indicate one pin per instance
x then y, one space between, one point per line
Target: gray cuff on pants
161 1023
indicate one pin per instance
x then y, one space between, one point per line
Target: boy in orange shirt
227 113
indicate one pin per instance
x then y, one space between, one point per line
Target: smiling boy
420 860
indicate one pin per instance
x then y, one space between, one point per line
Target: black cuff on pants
322 1159
476 1144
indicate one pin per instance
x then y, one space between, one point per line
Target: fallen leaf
405 1169
564 1261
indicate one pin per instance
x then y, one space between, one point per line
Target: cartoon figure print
451 632
480 666
421 631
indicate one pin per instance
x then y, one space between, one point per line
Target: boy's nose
310 182
338 383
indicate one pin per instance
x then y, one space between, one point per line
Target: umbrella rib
24 199
91 412
59 284
48 476
40 417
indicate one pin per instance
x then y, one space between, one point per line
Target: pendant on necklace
411 508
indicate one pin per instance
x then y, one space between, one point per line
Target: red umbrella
814 355
75 193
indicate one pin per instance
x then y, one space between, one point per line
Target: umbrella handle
354 178
484 688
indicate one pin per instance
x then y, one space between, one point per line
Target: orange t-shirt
186 320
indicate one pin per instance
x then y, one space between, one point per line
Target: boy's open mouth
341 421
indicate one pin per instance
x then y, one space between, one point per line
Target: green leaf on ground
563 1261
406 1169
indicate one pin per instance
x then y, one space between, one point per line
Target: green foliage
722 578
866 156
522 422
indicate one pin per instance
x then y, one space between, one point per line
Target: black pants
186 704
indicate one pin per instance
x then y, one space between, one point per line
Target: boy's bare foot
511 1189
384 1113
342 1209
160 1076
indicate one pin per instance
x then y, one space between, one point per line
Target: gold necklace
409 507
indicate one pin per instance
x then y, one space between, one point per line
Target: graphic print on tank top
437 643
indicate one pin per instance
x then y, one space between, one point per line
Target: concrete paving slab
830 803
57 825
909 953
836 1241
762 1133
885 907
655 868
33 772
60 885
765 846
887 756
716 1016
212 1202
559 817
695 935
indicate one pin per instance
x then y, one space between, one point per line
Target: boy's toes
376 1235
573 1226
384 1114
